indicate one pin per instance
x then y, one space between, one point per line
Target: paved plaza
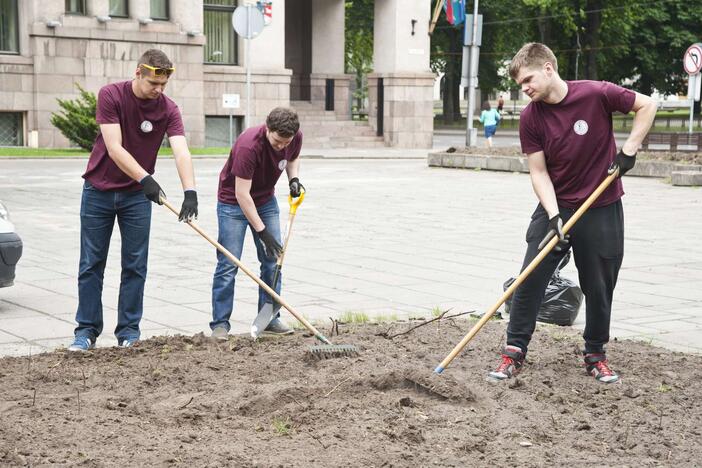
388 237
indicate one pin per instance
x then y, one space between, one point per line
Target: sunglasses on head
158 71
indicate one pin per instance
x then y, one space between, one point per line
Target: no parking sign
692 63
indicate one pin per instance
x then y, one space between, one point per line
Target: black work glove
624 162
555 228
152 190
188 210
296 188
271 247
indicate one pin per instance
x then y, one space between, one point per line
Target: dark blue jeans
232 229
98 211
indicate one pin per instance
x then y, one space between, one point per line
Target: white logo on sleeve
146 126
282 164
580 127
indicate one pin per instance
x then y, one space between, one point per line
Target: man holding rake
133 116
566 132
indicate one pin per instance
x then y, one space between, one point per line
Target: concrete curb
686 178
643 168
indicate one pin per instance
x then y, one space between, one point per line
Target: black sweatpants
597 240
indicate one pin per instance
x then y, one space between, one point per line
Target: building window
217 130
11 130
75 7
9 22
221 46
159 9
118 8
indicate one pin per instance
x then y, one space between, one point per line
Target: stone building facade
49 46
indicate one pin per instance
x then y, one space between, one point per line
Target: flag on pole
455 11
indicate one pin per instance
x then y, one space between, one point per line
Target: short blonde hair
532 54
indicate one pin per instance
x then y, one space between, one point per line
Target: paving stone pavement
391 238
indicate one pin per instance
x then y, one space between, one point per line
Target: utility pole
472 133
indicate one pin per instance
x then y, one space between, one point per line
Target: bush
76 120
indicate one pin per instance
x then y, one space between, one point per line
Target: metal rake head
328 351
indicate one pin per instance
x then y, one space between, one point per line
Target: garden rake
269 310
527 271
328 350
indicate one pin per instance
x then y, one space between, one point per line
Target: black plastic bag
562 299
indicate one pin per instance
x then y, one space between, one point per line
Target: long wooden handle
258 280
527 271
435 16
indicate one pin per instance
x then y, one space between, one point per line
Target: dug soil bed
685 157
193 402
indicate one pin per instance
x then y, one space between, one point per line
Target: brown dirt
191 401
679 156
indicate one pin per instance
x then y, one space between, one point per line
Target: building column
328 23
270 81
401 58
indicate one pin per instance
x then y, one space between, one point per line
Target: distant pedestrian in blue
489 118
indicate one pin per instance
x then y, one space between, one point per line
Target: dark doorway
298 47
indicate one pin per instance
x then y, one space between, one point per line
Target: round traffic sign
692 61
248 21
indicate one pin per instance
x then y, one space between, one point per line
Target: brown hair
486 105
283 121
155 58
531 55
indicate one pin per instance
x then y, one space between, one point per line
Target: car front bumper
10 253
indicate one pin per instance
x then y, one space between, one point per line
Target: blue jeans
232 230
98 210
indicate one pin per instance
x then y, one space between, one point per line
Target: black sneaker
512 362
597 366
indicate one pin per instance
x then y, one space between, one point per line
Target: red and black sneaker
512 362
597 366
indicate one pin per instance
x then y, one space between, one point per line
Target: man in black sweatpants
566 132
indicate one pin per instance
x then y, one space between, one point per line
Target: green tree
359 45
76 120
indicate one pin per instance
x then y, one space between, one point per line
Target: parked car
10 248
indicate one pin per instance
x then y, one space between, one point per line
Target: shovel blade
264 317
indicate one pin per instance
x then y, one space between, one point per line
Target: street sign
231 101
248 21
692 60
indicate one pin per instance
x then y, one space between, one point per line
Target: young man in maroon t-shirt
246 199
133 116
566 132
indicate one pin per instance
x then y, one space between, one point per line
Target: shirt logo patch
580 127
146 126
282 164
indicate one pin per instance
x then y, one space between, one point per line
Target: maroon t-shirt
253 158
577 139
143 122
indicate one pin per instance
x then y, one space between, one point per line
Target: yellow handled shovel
268 311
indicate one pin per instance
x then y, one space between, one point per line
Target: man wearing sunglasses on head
133 116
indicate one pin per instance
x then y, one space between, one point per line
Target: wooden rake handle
527 271
258 280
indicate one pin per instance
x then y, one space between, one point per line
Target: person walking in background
500 104
566 133
133 116
246 198
489 118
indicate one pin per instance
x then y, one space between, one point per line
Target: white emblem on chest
580 127
282 164
146 126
